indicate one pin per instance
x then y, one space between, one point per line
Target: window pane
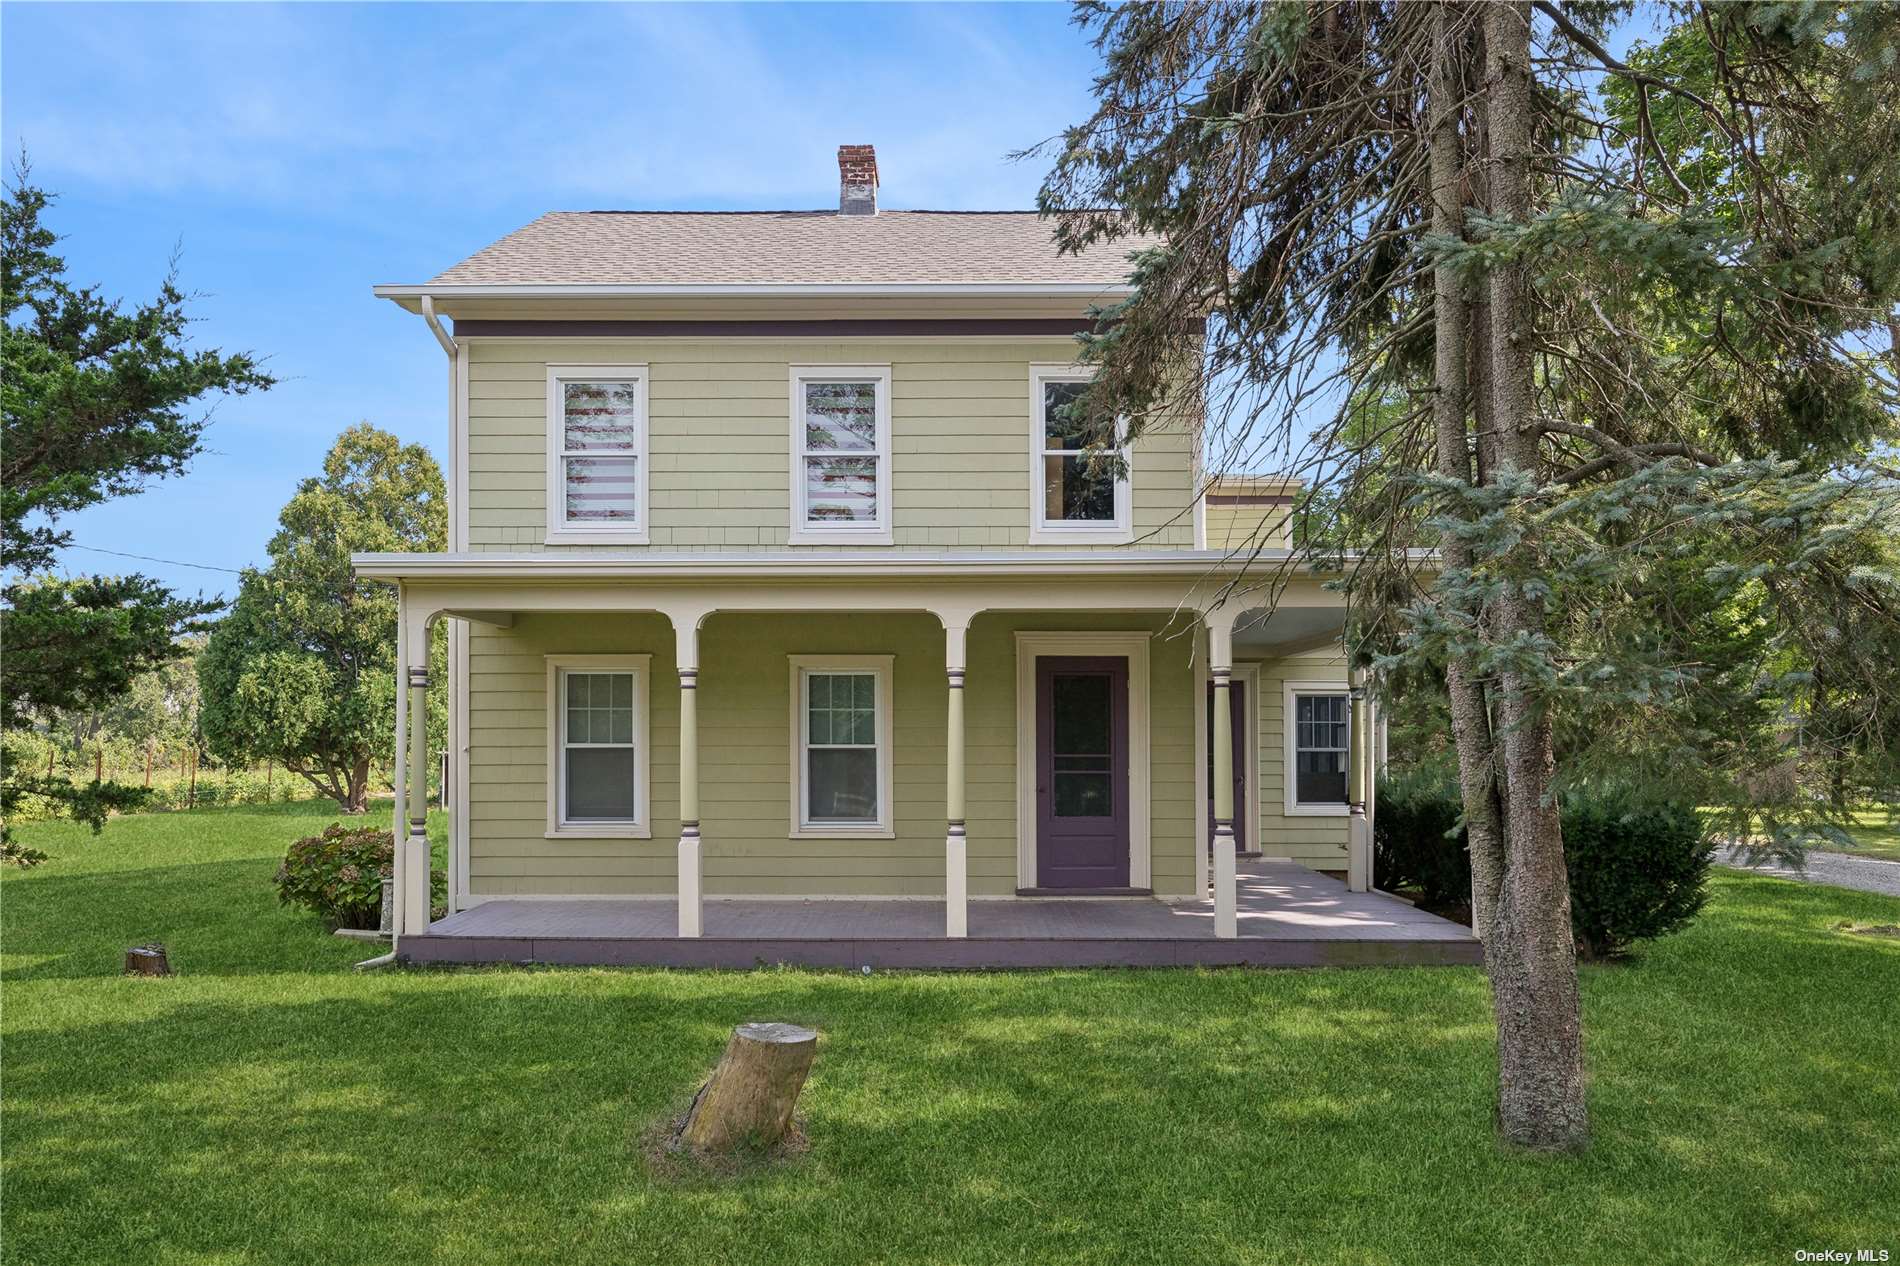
1083 795
1083 709
1072 493
600 489
841 416
600 784
1059 430
819 711
840 490
601 417
843 784
1321 778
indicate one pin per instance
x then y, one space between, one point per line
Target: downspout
435 328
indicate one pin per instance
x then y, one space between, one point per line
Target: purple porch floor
1288 917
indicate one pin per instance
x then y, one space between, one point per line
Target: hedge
1637 864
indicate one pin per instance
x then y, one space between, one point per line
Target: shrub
1636 868
339 874
1637 865
1418 840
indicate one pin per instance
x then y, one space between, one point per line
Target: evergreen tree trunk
1452 310
1531 954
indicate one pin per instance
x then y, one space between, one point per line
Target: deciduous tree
302 671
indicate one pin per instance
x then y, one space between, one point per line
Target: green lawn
1876 833
268 1105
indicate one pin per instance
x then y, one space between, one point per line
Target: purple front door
1237 700
1081 772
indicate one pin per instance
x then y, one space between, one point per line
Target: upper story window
1076 497
841 454
597 454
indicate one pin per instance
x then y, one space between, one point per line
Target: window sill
1114 535
842 833
1318 811
820 536
596 536
620 831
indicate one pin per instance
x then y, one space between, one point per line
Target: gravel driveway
1868 874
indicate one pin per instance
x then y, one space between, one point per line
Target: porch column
1220 664
416 884
956 848
1358 782
686 632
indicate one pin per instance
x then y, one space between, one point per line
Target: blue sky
296 155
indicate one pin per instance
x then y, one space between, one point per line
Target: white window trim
641 827
881 668
875 533
1289 752
1041 530
559 530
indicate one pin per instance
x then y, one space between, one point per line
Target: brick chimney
857 180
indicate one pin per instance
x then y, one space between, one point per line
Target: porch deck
1288 917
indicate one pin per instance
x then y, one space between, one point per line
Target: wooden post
956 845
148 764
415 914
691 903
1358 769
99 763
1221 666
750 1097
191 791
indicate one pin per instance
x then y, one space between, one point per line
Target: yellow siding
746 754
719 451
1318 842
1232 527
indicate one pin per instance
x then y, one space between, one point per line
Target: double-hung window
597 455
1319 729
841 726
841 454
1080 493
597 745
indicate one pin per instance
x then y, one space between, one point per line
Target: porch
1091 722
1287 916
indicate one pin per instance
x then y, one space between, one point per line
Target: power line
147 558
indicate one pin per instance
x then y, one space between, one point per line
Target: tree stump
751 1094
147 960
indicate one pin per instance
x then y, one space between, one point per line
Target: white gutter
442 337
842 289
788 565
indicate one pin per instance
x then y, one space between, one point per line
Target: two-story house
775 573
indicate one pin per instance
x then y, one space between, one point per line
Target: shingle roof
787 248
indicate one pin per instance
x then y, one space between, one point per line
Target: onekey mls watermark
1842 1255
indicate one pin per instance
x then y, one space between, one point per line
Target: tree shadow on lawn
497 1115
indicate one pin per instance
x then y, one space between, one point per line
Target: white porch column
1359 783
399 772
1220 663
956 847
691 903
415 882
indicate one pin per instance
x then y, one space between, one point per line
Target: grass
1876 833
269 1105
